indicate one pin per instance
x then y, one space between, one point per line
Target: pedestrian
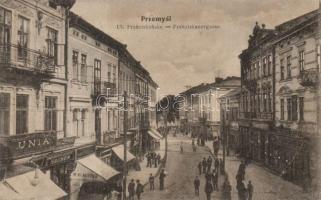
209 163
241 190
158 158
227 189
162 176
181 146
119 189
204 164
148 156
139 189
208 190
250 190
217 164
155 160
198 141
215 180
151 182
197 186
131 190
200 167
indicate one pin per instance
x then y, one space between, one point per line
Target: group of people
135 189
151 180
211 175
153 159
244 193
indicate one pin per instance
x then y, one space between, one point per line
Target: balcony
256 115
20 59
24 145
309 77
104 88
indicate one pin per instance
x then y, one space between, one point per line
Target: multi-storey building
230 103
202 103
279 97
33 83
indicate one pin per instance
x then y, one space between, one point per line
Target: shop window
4 113
21 114
51 113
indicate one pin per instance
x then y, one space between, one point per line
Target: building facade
278 115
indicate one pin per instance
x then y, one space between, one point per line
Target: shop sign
60 157
28 144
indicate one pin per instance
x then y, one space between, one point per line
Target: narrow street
181 169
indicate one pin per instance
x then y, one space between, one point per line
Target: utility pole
125 145
224 140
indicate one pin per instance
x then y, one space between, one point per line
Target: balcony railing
27 59
104 88
23 145
256 115
309 77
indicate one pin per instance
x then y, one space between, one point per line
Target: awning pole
125 145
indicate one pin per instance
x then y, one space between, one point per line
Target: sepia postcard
160 100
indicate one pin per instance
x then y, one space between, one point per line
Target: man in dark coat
226 190
215 180
131 190
151 182
209 164
197 186
208 190
204 164
200 167
139 189
250 190
217 164
241 190
162 176
149 159
158 158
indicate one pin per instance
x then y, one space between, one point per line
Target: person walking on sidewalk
215 180
208 190
197 186
158 158
131 190
151 182
250 190
209 164
162 176
226 189
149 159
139 189
204 165
200 167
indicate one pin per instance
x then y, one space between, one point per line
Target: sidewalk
267 186
144 173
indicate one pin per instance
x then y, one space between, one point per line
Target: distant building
201 103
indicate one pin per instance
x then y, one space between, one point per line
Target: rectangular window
294 108
282 109
288 67
52 40
4 113
301 60
109 73
282 73
5 28
301 104
75 65
114 73
269 65
83 70
289 108
264 67
23 38
51 113
97 76
21 114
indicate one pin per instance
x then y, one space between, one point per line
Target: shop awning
119 151
43 188
9 194
93 165
157 133
153 135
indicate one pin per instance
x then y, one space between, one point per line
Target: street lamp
35 181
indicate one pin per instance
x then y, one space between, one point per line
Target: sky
180 58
